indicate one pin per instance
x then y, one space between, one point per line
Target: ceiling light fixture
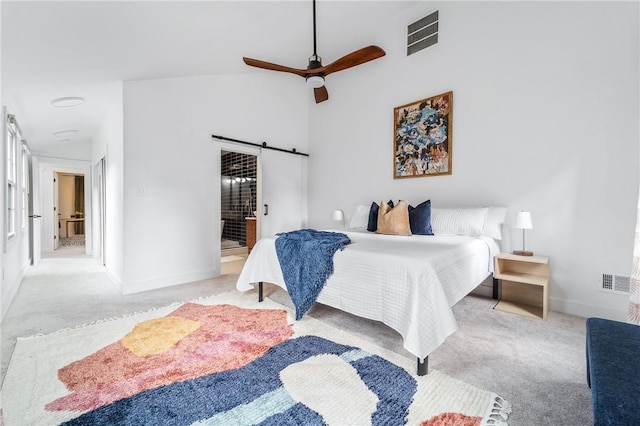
68 101
62 134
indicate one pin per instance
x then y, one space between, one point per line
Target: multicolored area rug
228 360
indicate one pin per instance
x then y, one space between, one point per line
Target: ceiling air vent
422 33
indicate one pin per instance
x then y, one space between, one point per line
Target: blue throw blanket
306 260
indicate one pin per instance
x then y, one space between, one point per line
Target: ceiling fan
315 73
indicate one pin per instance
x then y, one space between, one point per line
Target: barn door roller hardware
263 145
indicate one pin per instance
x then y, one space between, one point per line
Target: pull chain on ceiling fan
315 73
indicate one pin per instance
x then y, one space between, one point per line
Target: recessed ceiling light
64 133
67 101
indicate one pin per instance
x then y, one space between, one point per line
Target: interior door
282 199
99 210
56 214
35 212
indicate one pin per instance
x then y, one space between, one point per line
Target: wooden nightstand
523 285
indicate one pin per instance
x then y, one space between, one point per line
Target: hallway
68 289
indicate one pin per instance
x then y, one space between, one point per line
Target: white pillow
360 218
461 221
493 223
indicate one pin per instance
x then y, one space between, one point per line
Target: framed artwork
422 137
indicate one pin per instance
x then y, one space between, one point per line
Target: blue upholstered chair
613 371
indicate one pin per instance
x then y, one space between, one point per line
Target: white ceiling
82 48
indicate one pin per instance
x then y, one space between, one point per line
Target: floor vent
616 283
422 33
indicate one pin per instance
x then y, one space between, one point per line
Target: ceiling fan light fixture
315 81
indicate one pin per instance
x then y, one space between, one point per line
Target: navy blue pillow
420 218
372 226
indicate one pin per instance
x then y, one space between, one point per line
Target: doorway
263 192
51 225
238 201
71 209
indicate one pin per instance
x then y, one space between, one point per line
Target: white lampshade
338 215
315 81
523 220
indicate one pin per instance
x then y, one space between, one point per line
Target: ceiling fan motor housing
315 80
314 62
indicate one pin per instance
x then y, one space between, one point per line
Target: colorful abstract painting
422 137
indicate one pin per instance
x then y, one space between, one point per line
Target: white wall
545 119
15 251
172 165
16 264
108 143
3 162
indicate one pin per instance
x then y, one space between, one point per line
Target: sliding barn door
283 202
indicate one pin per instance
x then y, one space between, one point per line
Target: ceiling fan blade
353 59
274 67
321 94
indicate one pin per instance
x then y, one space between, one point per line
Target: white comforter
408 283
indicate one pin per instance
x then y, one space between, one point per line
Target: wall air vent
616 283
607 282
621 283
422 33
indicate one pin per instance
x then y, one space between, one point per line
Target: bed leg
260 291
497 289
423 367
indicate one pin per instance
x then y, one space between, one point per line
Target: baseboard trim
10 294
586 310
154 284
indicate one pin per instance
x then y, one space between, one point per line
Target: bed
408 283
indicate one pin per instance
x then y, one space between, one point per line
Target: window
25 186
11 176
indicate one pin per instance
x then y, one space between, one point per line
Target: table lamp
338 215
523 221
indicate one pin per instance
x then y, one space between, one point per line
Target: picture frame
422 137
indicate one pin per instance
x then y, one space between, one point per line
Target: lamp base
522 253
